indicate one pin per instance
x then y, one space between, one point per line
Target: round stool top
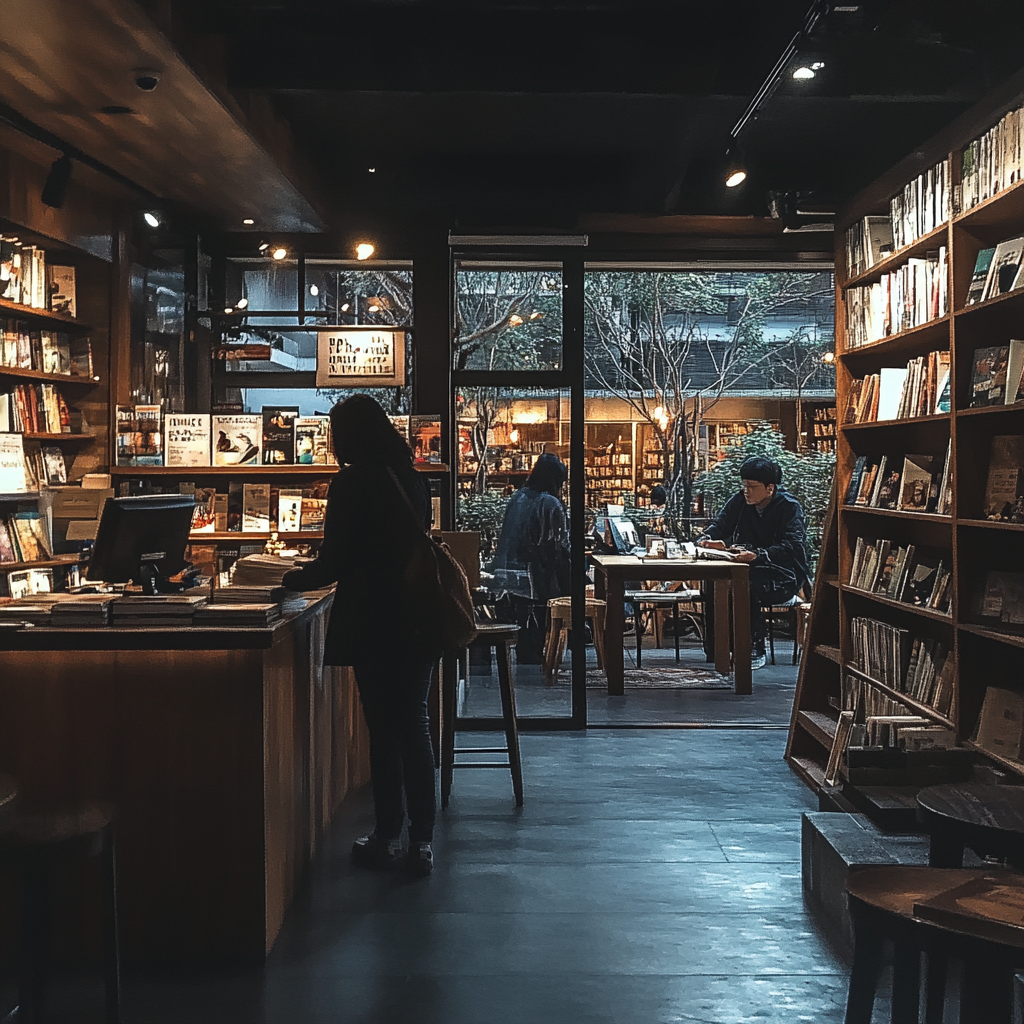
895 890
956 806
8 794
494 631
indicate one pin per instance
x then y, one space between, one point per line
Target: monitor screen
151 529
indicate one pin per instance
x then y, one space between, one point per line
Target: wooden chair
789 612
661 600
32 845
560 622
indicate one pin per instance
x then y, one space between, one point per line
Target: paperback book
255 508
236 439
279 435
187 439
1004 485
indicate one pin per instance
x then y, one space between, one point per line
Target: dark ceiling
516 113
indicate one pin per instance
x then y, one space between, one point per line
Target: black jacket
778 534
368 537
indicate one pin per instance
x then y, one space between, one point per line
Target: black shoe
420 859
373 852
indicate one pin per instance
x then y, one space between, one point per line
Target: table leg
741 629
906 983
721 588
867 964
613 631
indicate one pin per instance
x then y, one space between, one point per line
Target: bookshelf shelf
911 342
828 651
1005 762
820 725
1005 205
18 495
1010 301
48 563
17 311
64 379
992 410
921 517
925 710
932 240
903 606
989 524
910 421
57 437
236 535
998 635
201 471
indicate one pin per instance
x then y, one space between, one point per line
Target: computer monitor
142 539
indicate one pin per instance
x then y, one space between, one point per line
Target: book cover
289 511
148 436
7 552
1014 372
892 381
220 512
1005 481
61 282
425 432
988 375
1000 722
236 439
1000 598
80 358
256 508
279 435
32 534
853 488
236 502
124 444
203 518
312 513
53 464
867 483
401 424
1002 273
312 440
13 479
981 267
917 487
187 439
889 488
878 239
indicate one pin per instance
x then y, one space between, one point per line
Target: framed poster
352 357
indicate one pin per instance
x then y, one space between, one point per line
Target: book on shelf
988 376
1004 268
187 439
919 486
1001 722
255 508
1004 484
237 439
54 468
61 289
868 242
891 385
35 409
999 598
990 163
29 532
203 513
979 278
922 205
313 445
425 438
311 514
401 424
921 388
991 906
907 573
880 650
279 435
148 436
289 510
29 582
12 464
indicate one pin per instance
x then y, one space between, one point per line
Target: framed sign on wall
348 357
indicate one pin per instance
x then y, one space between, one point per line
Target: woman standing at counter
368 542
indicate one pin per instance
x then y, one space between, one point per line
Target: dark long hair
549 474
363 433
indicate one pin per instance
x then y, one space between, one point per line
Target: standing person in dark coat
764 526
369 532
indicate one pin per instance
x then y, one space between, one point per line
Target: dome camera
147 79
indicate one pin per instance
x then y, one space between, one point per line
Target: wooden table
988 819
614 571
882 907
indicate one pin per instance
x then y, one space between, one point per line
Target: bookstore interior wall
917 629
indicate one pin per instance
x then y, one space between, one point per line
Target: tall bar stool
560 611
32 845
502 638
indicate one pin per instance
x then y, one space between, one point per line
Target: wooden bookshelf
58 561
240 537
243 471
50 378
16 311
982 654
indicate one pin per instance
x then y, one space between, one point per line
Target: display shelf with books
818 430
42 316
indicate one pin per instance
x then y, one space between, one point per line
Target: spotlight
803 73
228 309
151 219
735 171
344 307
56 186
314 291
372 170
364 251
242 303
264 246
373 309
279 254
829 357
248 221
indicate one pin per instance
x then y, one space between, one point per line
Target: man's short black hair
659 496
765 471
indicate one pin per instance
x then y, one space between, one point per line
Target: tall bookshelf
983 655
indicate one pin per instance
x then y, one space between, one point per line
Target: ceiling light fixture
314 291
344 307
264 246
373 309
735 170
279 253
56 186
803 73
372 170
228 309
248 221
829 357
151 219
242 303
364 251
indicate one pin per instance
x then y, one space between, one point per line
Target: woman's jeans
393 689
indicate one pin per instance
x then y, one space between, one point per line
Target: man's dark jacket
778 534
369 532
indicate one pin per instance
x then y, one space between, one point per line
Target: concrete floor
652 877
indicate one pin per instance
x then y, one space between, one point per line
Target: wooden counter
225 750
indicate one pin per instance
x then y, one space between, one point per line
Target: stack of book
921 388
903 573
25 537
142 610
260 571
992 162
907 483
236 594
237 613
910 296
35 610
83 610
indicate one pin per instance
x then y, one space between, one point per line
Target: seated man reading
763 525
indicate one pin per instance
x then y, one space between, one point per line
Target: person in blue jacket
763 525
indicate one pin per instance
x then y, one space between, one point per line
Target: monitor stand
154 582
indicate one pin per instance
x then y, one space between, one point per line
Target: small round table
988 819
882 908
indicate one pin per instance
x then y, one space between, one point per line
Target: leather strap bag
435 590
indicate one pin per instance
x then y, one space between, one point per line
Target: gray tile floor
652 877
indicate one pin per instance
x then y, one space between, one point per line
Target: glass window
158 334
507 317
261 283
359 295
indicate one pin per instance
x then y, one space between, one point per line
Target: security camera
147 79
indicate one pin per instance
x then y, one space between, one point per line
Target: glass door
514 387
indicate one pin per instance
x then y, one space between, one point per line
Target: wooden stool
31 845
560 610
502 638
